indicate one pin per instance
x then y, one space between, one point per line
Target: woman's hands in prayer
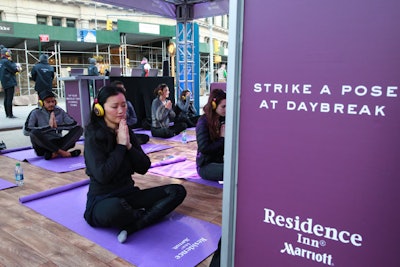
123 134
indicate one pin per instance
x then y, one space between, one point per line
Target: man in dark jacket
43 75
92 71
44 126
8 69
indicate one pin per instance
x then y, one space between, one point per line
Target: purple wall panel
333 167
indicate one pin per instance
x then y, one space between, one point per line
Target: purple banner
210 9
319 134
159 7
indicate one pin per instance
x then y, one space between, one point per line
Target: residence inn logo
311 237
6 27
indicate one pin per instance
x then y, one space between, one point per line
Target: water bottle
19 174
184 137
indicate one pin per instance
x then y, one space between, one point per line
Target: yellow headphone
98 109
41 103
214 103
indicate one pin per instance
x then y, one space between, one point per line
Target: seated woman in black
162 114
210 136
112 155
185 111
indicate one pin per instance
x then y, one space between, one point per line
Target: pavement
11 129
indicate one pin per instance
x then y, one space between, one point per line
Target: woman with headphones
210 136
112 155
185 111
162 113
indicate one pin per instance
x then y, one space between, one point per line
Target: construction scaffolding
123 57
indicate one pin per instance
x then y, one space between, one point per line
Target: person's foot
49 155
75 153
11 117
122 236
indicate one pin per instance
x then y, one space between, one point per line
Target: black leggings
169 132
42 143
212 171
140 209
8 99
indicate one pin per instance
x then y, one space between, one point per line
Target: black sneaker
75 153
11 117
2 145
47 155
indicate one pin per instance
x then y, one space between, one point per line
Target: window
56 21
218 21
42 20
71 23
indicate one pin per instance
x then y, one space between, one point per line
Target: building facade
73 31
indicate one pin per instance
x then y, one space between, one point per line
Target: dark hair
104 93
183 94
116 83
161 87
213 122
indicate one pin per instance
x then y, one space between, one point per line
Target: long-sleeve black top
110 165
207 150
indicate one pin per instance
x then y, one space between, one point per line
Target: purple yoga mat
206 182
56 165
178 240
183 169
53 191
169 160
5 151
59 164
21 154
150 148
176 138
4 184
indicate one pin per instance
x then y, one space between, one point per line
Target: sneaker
122 236
75 153
47 155
11 117
2 145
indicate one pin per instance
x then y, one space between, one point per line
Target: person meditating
112 156
162 113
185 111
210 137
45 125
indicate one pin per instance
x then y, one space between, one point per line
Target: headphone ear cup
40 103
98 110
213 105
183 97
